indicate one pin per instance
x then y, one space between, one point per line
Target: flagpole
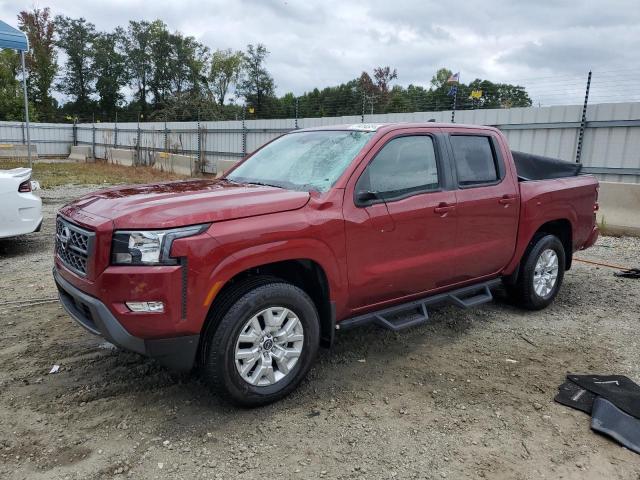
453 111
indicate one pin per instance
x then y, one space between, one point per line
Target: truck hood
174 204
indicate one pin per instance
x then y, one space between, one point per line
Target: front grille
73 245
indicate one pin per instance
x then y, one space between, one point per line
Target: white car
20 209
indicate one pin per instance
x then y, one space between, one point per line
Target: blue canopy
12 38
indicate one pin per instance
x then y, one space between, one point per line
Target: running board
392 319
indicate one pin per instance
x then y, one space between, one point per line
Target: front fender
277 251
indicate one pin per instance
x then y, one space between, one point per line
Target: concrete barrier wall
174 163
80 153
121 156
223 165
619 211
10 150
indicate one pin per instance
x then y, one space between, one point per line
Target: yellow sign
476 94
252 110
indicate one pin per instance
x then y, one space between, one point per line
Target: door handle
443 208
507 200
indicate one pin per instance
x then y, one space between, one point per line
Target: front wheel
541 273
264 345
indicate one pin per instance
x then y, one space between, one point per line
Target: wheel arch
562 229
305 273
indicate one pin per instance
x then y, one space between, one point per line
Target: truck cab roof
389 127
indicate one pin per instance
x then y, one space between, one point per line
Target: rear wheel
264 345
541 273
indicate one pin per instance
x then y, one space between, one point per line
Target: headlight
148 247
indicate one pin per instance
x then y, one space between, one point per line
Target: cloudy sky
547 45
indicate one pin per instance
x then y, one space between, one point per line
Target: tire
537 290
277 371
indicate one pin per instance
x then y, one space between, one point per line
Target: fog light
155 307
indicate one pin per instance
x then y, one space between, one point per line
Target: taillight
596 207
25 187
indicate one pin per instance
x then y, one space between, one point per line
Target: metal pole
75 131
166 137
364 99
296 113
138 162
453 111
93 136
115 132
26 105
200 163
583 122
244 134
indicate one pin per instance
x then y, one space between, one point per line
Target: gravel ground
469 395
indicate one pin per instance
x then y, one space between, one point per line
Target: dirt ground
468 396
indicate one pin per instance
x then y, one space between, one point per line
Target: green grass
54 174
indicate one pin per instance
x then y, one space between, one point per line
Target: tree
11 101
257 85
76 38
109 62
138 47
161 50
187 64
439 80
40 59
383 77
226 67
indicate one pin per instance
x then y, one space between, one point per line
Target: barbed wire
607 86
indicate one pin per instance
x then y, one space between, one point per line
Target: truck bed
572 198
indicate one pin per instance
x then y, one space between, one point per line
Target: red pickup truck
319 230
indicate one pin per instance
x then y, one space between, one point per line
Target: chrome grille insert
73 245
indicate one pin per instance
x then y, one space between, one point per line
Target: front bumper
178 353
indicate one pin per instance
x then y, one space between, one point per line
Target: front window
303 161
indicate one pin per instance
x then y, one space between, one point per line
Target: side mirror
366 196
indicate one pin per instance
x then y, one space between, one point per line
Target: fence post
244 133
93 140
166 137
75 132
364 100
23 137
200 163
138 144
115 132
583 122
296 113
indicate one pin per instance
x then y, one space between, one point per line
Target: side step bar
416 311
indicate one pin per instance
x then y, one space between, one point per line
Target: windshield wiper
264 184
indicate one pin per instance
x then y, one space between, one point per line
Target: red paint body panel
372 257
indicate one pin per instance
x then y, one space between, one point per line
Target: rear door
398 241
488 203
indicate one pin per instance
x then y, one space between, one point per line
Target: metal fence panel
611 144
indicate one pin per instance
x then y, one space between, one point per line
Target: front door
400 220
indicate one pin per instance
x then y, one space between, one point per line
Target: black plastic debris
613 402
609 420
630 273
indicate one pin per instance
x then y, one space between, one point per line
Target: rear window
475 159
